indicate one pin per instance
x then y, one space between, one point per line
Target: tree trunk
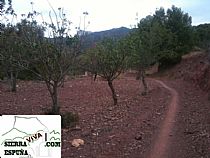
53 90
144 82
114 96
55 108
62 82
13 81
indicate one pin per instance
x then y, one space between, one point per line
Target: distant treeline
202 35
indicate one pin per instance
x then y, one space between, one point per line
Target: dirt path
161 144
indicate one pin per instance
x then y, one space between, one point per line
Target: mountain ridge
92 38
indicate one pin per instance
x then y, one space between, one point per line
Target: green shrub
27 75
169 59
69 120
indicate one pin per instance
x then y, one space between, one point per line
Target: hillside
92 38
194 68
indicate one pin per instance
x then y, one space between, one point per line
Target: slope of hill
194 68
95 37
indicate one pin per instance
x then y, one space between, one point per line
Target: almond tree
147 43
108 60
50 57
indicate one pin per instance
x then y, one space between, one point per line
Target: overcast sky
107 14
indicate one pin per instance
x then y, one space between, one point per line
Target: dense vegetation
166 35
202 36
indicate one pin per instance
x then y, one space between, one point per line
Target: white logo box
30 136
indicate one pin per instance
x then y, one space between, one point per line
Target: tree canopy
164 35
202 36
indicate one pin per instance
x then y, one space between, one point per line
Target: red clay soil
194 69
133 128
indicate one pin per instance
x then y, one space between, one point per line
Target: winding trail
161 143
